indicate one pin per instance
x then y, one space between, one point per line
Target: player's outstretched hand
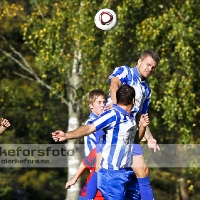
152 144
70 183
144 120
59 136
5 123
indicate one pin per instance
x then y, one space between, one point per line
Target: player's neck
127 108
141 77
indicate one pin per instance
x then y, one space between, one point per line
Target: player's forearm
81 131
2 129
113 90
141 132
114 86
148 134
80 170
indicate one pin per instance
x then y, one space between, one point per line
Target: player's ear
91 106
139 61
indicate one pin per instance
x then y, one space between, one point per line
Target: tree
174 32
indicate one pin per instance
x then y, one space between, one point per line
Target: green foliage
33 117
34 180
5 183
26 107
174 35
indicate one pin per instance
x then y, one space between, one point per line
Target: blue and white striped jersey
90 140
119 129
130 76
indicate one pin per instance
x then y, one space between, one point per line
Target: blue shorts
132 192
113 183
137 150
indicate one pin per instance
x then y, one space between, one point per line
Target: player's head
96 100
147 63
125 95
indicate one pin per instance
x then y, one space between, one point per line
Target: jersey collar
115 106
136 74
93 115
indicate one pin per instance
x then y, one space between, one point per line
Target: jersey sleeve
121 73
90 160
105 120
146 104
99 133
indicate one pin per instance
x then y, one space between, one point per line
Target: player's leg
142 172
92 187
139 166
92 190
133 191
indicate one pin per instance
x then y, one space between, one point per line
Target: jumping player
136 78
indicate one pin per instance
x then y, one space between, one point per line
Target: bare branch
31 49
23 76
37 79
15 60
177 12
41 83
39 9
18 54
26 67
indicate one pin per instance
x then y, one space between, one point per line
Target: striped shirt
90 140
119 129
130 76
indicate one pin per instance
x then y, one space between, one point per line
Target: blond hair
93 95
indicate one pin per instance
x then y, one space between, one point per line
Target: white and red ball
105 19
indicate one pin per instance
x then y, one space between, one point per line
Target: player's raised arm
59 136
114 85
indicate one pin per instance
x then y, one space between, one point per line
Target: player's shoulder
108 115
108 112
89 121
126 68
92 117
123 68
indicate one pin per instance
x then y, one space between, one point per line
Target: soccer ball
105 19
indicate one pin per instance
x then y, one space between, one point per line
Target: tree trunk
74 158
182 191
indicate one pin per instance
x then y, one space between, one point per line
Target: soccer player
4 124
96 100
119 130
136 78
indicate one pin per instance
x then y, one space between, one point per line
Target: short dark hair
125 95
150 53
